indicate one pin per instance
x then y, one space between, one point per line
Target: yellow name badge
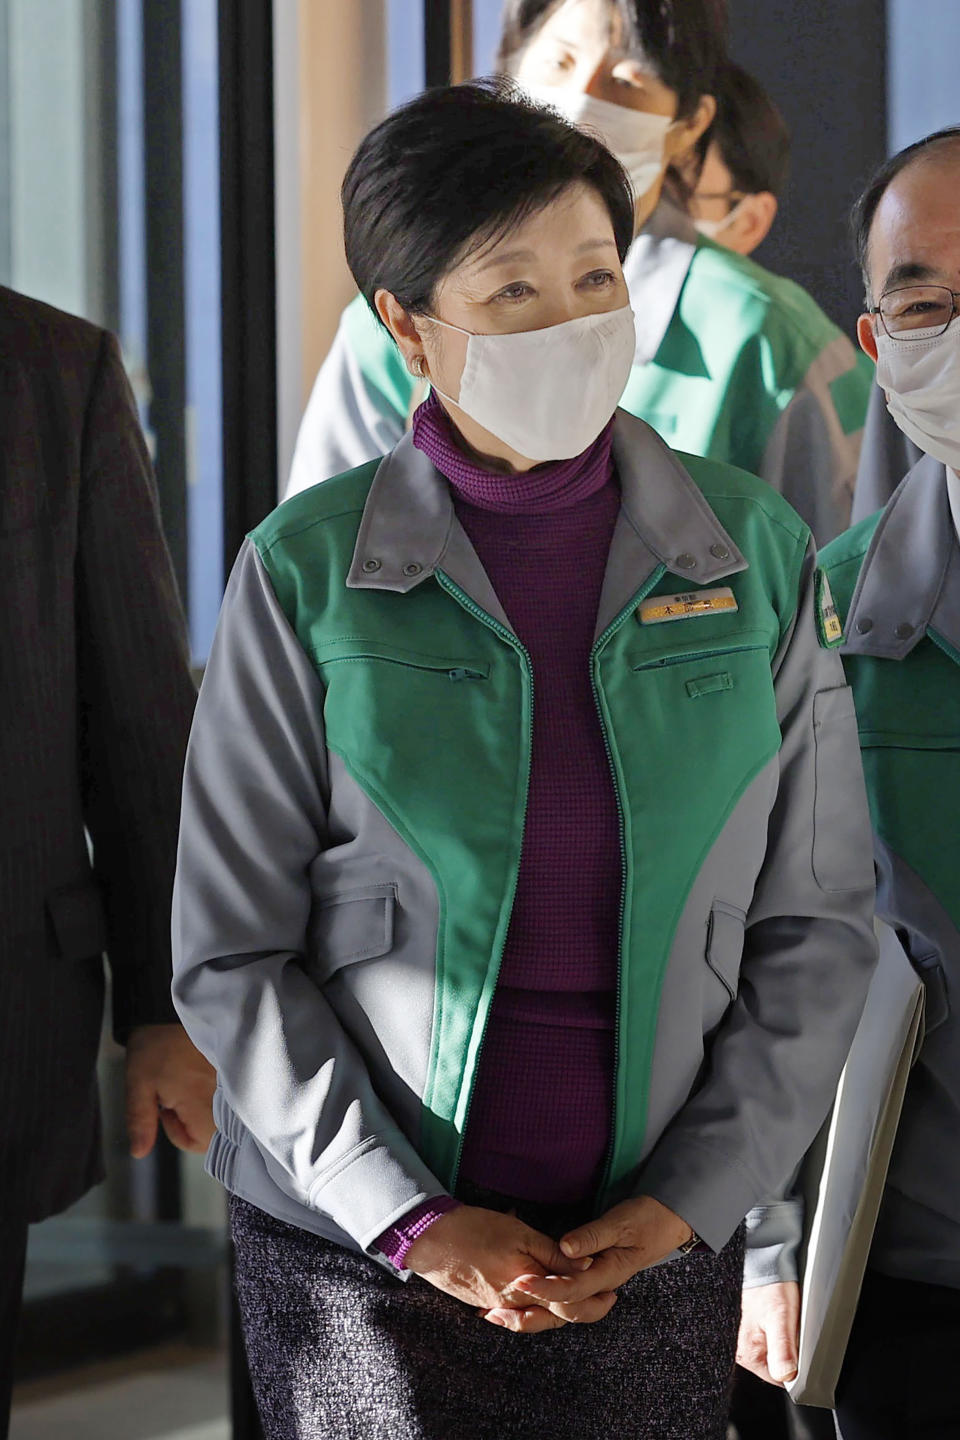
661 608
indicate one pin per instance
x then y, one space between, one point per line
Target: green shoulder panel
378 357
314 527
763 524
740 344
740 298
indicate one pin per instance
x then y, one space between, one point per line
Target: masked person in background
729 362
522 912
737 191
889 449
895 579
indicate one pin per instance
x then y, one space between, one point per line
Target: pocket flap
725 944
353 925
76 916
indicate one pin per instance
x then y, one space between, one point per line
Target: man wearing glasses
895 579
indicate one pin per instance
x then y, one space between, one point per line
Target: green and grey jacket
353 819
732 363
896 582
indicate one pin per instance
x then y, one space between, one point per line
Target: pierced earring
418 366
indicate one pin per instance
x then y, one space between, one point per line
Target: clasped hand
518 1278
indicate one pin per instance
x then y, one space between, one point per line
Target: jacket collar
409 528
656 270
910 577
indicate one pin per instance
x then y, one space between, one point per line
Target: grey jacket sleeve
253 819
809 951
812 455
774 1232
347 422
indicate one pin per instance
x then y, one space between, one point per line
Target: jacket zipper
611 629
527 669
666 660
454 672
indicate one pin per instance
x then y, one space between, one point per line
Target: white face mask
713 228
547 393
921 377
635 136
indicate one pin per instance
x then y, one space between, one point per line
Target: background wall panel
824 63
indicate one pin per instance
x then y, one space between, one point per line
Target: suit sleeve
809 952
135 693
254 820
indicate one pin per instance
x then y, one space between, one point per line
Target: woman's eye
518 291
559 62
599 279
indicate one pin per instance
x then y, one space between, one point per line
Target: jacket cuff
372 1188
145 1006
702 1186
773 1240
396 1242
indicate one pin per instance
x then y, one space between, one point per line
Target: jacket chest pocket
712 709
332 654
392 712
353 925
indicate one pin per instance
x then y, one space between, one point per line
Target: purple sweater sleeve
396 1242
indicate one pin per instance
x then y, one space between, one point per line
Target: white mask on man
636 137
714 228
921 378
547 393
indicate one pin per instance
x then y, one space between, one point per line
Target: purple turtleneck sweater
540 1115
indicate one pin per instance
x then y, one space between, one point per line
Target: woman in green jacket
523 899
731 361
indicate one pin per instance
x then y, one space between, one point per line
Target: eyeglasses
927 308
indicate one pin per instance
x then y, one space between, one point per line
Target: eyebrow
905 272
506 258
510 256
601 244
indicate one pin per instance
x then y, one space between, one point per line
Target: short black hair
864 211
750 133
684 40
454 169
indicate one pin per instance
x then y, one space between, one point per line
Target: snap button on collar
371 566
412 568
864 625
686 561
904 630
719 552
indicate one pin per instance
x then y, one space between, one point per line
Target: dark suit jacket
95 704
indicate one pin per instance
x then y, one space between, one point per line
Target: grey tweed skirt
341 1350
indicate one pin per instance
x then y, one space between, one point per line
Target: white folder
844 1172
